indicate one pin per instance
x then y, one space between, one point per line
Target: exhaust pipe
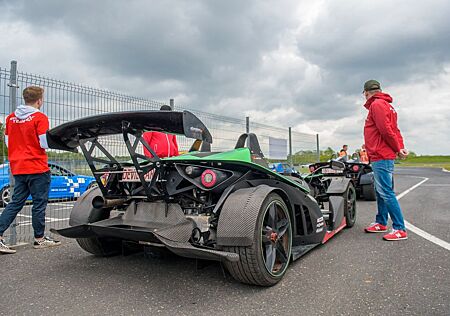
101 202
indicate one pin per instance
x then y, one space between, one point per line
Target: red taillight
355 168
311 169
209 178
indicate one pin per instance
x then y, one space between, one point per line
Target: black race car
224 206
360 174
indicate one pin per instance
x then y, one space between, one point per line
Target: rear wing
67 136
86 131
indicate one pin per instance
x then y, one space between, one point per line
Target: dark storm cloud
392 41
206 44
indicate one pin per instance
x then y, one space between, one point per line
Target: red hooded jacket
382 137
164 145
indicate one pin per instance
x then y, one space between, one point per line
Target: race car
360 174
224 206
64 183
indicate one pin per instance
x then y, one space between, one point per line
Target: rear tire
100 246
265 262
368 191
97 246
350 205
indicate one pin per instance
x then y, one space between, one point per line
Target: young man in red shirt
384 143
25 136
164 145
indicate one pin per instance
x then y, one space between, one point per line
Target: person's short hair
32 94
165 107
344 146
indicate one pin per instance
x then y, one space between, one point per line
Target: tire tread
248 270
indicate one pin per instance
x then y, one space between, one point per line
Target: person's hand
403 153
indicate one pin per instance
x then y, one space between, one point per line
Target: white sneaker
46 242
5 249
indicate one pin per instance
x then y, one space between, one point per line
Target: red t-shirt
24 150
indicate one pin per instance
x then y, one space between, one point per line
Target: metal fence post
247 124
291 161
318 148
12 106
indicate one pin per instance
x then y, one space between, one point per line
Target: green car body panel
241 156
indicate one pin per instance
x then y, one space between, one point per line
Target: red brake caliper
273 237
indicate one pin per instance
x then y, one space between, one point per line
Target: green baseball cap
372 85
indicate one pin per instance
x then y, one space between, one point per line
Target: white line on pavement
419 231
412 188
427 236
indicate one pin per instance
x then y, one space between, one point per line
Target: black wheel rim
276 238
6 196
351 203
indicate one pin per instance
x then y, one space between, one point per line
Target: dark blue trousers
38 186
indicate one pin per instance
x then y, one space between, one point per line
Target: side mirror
337 165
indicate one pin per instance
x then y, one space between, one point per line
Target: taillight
209 178
311 169
355 168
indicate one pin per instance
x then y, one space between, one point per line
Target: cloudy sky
298 63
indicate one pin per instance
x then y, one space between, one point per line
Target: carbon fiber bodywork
338 186
237 221
153 223
366 179
83 212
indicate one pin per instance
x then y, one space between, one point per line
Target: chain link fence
71 176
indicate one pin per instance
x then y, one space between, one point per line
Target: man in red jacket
25 136
164 145
384 143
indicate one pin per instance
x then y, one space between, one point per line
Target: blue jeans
38 186
386 199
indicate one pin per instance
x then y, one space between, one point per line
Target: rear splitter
174 237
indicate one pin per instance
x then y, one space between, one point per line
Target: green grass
426 161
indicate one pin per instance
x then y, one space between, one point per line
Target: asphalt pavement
353 274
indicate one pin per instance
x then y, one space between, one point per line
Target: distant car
64 183
283 168
361 175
